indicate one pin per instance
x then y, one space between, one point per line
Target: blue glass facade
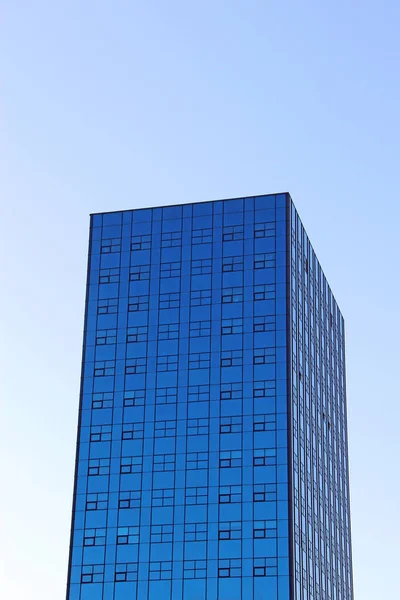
195 477
319 461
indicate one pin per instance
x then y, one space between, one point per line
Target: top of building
281 195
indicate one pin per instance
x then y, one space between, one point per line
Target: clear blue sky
109 105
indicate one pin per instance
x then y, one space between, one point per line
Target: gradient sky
124 104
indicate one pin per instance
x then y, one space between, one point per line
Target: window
232 263
107 306
265 529
232 295
131 464
100 433
164 497
201 236
264 323
106 336
199 393
164 462
200 298
109 275
104 368
166 395
165 428
98 466
195 532
230 458
194 569
134 398
230 494
265 566
265 492
199 360
230 530
132 431
231 326
96 501
136 334
160 570
263 356
196 495
161 533
264 422
264 389
197 427
231 358
231 425
197 460
264 457
170 270
231 233
264 292
201 267
264 260
127 535
170 300
168 332
129 500
264 230
168 240
230 391
135 365
140 242
139 272
126 571
92 574
167 363
137 303
102 400
110 246
200 329
229 567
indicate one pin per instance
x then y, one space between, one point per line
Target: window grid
206 441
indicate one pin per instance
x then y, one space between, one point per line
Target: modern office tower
212 443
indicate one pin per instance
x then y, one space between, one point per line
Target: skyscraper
212 442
